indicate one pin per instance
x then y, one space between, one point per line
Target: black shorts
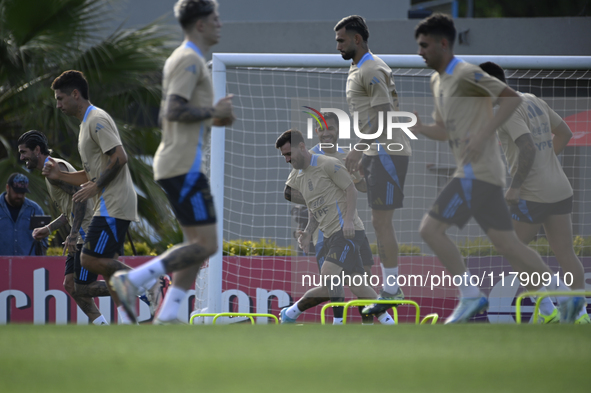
105 237
81 275
385 175
364 251
537 212
343 252
190 198
465 198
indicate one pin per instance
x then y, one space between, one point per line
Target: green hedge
141 249
403 249
483 247
249 248
469 248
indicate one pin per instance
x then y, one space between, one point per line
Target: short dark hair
331 115
493 69
441 25
292 136
70 80
190 11
32 139
354 23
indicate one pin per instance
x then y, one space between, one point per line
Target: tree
41 39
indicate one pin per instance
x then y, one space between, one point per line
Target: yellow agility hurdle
540 296
365 302
233 314
433 317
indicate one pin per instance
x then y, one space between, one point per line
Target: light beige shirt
371 83
546 181
464 97
340 155
98 135
63 202
323 184
181 149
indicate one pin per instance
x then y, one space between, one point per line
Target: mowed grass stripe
309 358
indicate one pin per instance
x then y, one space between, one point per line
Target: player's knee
382 222
85 261
426 231
211 248
69 286
206 249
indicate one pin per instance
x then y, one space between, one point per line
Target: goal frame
210 278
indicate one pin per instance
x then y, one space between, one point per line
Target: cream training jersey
464 96
340 155
323 184
63 202
371 83
546 181
98 135
181 149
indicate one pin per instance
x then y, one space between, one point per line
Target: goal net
248 174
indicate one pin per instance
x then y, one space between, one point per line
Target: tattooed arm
117 159
43 232
178 109
78 210
527 154
293 195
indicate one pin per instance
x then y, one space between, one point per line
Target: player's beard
349 54
32 164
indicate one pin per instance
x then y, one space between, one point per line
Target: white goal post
209 282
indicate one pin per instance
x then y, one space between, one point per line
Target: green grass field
309 358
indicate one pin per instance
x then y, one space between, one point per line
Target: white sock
100 321
546 306
558 286
293 312
583 312
148 285
391 285
172 303
337 321
467 289
152 269
123 318
386 319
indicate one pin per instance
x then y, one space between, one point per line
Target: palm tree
41 39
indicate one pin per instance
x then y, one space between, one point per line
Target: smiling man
81 284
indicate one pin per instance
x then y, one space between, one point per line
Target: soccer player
328 136
81 284
371 93
186 114
540 193
105 178
328 146
463 116
330 195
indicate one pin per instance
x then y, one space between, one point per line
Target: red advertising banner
31 288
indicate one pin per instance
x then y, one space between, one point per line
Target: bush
483 247
478 247
54 251
249 248
404 249
141 248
